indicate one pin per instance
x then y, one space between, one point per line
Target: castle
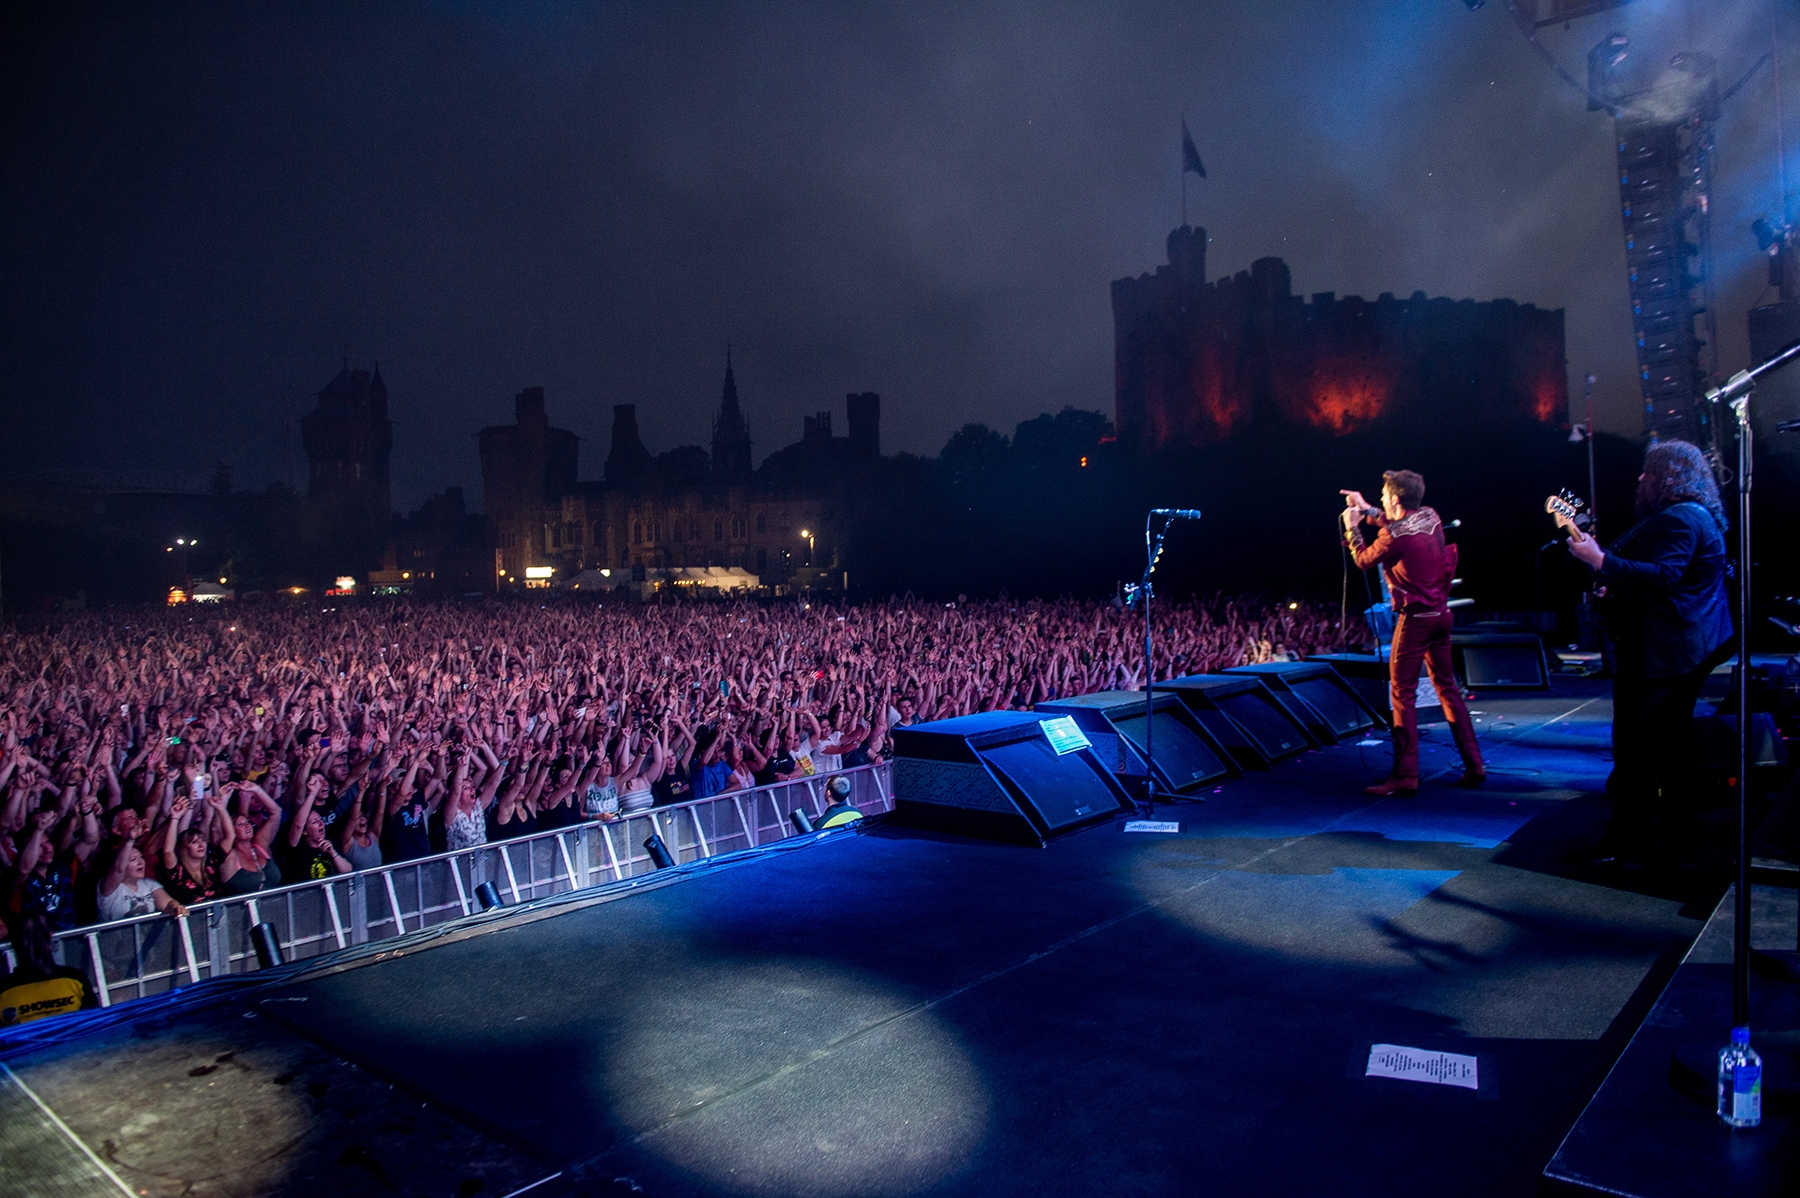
1197 362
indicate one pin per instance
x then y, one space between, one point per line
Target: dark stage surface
900 1013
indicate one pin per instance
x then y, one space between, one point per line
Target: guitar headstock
1565 505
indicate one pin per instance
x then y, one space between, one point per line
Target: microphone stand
1153 547
1736 393
1152 551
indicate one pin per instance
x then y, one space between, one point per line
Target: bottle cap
1740 1035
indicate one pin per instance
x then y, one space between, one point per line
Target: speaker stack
1244 715
1187 755
1328 706
996 775
1500 660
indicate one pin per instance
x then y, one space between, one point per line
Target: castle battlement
1196 362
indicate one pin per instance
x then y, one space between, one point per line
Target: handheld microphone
1176 513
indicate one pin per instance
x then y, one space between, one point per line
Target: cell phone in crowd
259 711
324 742
174 740
725 687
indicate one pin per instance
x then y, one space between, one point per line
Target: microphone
1176 513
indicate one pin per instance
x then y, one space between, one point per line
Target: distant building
527 468
1198 362
439 549
348 438
671 515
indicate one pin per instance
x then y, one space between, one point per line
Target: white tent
718 578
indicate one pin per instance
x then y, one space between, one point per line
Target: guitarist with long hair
1669 617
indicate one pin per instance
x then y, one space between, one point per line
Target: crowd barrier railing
150 954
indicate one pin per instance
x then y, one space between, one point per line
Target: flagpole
1184 195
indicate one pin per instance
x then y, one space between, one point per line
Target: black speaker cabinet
1363 673
1329 707
1244 715
996 776
1187 755
1500 661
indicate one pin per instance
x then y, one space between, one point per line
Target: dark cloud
205 207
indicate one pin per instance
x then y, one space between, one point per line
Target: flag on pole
1190 157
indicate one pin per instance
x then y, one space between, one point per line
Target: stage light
489 894
659 852
268 945
880 1139
802 821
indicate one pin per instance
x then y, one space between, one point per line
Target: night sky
206 207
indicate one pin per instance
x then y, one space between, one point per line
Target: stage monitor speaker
1244 715
1500 661
1363 673
1330 708
1187 755
996 776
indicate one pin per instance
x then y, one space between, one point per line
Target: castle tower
731 435
348 439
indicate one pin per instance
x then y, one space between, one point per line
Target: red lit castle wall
1198 362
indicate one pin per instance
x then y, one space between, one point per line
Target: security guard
840 812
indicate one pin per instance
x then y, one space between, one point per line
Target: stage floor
894 1012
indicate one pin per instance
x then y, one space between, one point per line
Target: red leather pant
1424 639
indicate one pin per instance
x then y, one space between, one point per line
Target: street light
809 545
184 544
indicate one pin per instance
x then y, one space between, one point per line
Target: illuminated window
737 527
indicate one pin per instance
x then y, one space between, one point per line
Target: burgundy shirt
1418 564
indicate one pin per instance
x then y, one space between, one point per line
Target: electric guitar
1564 506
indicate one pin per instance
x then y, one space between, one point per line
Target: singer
1410 548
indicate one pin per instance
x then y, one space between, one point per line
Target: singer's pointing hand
1354 499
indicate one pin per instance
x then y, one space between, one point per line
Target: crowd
156 759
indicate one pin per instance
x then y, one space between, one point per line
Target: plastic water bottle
1740 1081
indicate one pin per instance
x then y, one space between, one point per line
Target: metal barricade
151 954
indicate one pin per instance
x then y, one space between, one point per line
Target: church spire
731 435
